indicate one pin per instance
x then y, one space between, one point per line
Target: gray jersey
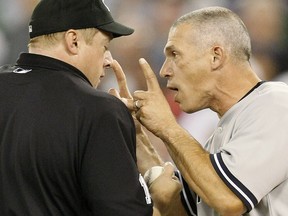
249 151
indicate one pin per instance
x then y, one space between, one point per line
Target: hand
153 109
165 192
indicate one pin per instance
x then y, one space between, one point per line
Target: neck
232 87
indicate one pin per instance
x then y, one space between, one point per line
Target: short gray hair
219 26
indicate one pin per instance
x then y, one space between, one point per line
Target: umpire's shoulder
102 101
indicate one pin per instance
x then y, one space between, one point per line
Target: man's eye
174 53
108 66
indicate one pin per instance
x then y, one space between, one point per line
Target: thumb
114 92
128 102
169 169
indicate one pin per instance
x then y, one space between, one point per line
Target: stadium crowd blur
266 20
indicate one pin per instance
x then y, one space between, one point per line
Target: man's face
187 69
96 57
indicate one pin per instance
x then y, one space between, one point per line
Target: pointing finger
151 79
121 80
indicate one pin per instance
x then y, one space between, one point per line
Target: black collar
30 61
251 90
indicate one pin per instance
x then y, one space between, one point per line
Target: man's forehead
175 36
180 31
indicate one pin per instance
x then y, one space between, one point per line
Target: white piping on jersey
146 190
21 70
231 182
185 195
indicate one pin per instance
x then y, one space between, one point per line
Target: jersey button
220 129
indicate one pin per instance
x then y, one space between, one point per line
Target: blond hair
51 40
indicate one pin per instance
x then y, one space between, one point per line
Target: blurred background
266 20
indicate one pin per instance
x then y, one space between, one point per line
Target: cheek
196 77
96 61
94 67
191 86
96 57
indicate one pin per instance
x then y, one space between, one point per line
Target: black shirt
65 148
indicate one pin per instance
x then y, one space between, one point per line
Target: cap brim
116 29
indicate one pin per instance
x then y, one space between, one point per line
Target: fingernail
142 61
169 163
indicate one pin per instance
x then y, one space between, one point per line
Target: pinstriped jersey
249 151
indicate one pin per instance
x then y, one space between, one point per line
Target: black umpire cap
52 16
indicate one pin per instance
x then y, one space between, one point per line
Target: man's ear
217 57
72 41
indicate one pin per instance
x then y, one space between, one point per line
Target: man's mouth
172 88
175 91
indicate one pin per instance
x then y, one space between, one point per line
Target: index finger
121 80
151 79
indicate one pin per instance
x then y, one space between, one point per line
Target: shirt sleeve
254 161
109 176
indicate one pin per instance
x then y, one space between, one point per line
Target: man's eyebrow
168 48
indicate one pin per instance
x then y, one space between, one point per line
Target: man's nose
166 69
108 59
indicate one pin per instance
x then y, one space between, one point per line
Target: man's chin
186 109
